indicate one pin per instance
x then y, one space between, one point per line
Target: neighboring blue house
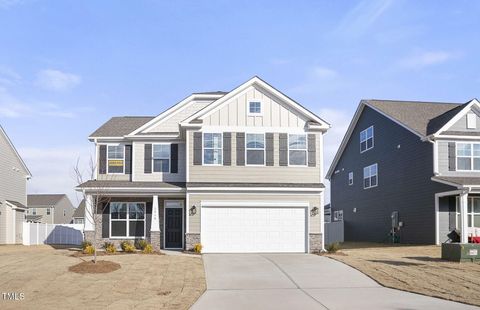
410 165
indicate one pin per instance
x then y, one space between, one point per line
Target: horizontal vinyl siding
461 125
3 224
172 123
270 174
47 219
138 165
195 199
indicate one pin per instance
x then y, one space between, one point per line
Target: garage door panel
251 229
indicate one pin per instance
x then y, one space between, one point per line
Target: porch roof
108 185
459 181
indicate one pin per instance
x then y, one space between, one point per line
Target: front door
173 228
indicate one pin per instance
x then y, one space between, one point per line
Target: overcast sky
68 66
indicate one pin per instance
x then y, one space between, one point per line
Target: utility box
461 252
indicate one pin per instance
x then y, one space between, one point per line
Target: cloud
56 80
426 58
323 72
317 78
8 76
5 4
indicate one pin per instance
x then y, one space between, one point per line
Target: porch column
463 217
89 213
155 225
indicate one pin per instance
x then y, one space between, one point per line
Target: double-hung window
115 158
350 178
366 139
255 108
255 148
297 150
212 149
161 157
468 156
370 176
127 219
473 212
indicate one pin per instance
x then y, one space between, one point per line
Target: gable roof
120 126
419 117
80 210
44 199
27 171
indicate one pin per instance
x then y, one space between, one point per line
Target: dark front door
173 228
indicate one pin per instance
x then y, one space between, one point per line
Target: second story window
161 157
212 149
468 156
370 176
255 149
471 121
366 139
255 108
297 150
350 178
115 158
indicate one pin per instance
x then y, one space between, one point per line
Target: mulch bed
101 266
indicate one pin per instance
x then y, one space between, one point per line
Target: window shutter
240 149
174 158
105 220
312 150
148 218
269 149
147 168
283 149
452 156
102 164
197 148
227 148
128 159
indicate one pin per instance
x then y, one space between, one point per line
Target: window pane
297 142
255 141
207 140
255 107
119 228
298 157
370 132
464 149
373 169
161 165
255 157
476 164
212 140
136 211
212 157
373 180
469 221
476 220
366 183
369 143
136 228
115 166
363 136
366 172
464 164
118 210
476 205
115 151
476 150
161 151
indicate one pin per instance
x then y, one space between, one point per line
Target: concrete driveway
300 281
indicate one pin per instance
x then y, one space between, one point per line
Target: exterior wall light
314 211
192 210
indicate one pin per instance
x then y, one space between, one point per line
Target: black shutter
105 212
312 150
102 160
269 149
227 148
148 218
197 148
240 149
283 149
128 159
148 158
174 158
452 156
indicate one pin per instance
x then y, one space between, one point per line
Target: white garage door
253 230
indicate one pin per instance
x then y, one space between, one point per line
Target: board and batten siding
196 199
257 174
405 168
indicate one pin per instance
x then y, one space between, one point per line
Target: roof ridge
415 101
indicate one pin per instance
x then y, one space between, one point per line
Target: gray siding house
13 191
79 213
416 161
237 171
49 209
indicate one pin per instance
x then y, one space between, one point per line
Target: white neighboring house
13 192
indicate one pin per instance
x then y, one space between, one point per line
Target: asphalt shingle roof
44 199
130 184
121 125
80 210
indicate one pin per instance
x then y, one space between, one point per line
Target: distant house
79 213
49 209
13 187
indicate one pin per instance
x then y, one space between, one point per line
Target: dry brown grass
417 269
101 266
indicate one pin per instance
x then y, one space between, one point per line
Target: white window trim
253 149
470 215
123 169
471 157
169 158
369 166
203 148
255 114
127 219
350 178
471 121
306 150
373 139
179 206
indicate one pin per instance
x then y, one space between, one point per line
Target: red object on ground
474 239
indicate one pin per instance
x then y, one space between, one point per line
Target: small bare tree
99 202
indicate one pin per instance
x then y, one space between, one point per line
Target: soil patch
101 266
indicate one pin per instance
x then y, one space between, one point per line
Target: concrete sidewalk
300 281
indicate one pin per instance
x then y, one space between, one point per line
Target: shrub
127 246
197 248
333 247
85 244
89 249
141 244
109 247
148 249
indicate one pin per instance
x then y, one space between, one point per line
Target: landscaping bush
109 247
141 244
333 247
89 249
127 246
197 248
85 244
148 249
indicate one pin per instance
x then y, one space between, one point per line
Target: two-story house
411 166
13 191
49 208
237 171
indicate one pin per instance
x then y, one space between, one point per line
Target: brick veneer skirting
191 240
315 241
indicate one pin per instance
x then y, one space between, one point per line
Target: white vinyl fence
38 233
